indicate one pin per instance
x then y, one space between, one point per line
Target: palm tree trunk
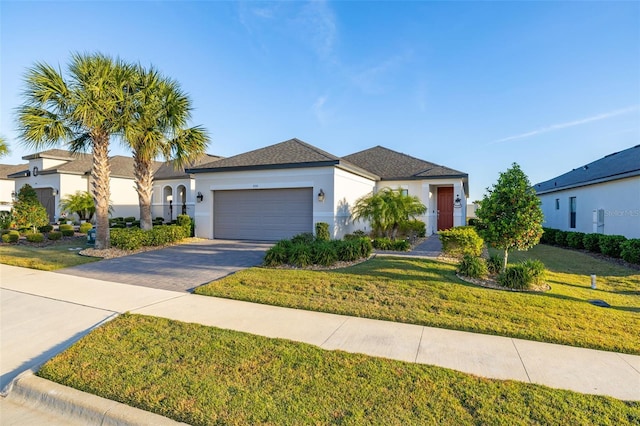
100 176
144 185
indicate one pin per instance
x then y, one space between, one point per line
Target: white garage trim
262 214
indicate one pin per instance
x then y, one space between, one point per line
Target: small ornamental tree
80 203
510 213
27 210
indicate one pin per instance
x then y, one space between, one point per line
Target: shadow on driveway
179 268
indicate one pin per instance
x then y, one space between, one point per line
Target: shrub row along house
602 197
266 194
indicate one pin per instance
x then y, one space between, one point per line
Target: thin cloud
319 111
569 124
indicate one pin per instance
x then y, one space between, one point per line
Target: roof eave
590 182
264 167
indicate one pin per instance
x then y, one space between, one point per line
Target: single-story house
600 197
57 173
284 189
7 185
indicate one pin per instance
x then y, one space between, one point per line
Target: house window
572 212
557 203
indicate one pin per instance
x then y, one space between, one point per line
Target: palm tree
80 203
387 209
157 128
4 148
82 111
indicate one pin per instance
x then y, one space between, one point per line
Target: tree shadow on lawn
403 269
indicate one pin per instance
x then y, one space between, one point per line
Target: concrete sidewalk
44 312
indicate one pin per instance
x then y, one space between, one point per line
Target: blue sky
474 86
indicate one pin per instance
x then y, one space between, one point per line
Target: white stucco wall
162 189
348 188
619 200
7 186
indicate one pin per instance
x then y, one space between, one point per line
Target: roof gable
167 171
10 169
393 165
290 153
611 167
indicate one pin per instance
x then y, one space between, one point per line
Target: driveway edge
38 393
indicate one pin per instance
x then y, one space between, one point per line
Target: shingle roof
58 154
393 165
611 167
9 169
290 153
167 171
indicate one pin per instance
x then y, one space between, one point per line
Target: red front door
445 208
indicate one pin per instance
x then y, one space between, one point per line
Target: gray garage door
262 214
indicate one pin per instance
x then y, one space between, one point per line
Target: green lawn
62 254
208 376
427 292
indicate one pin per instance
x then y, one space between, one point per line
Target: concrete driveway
177 268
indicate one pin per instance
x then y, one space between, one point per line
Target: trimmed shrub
610 245
522 276
461 240
127 238
304 238
129 219
348 250
630 251
474 221
35 237
591 242
65 227
575 240
548 236
356 234
365 247
494 264
68 232
400 245
54 235
413 229
472 266
45 228
183 220
300 254
322 231
11 237
561 238
323 253
85 227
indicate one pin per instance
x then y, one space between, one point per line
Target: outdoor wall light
458 202
13 195
321 196
54 192
200 197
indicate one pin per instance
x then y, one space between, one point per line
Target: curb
41 394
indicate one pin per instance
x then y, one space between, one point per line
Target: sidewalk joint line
513 342
419 343
334 331
157 302
627 362
62 300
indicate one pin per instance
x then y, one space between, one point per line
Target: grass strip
427 292
208 376
49 258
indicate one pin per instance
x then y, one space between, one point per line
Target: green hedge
322 231
575 240
45 228
135 238
54 235
591 242
630 251
11 237
85 227
68 232
301 252
35 237
389 244
461 240
66 227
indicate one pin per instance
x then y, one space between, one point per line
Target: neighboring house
57 173
600 197
7 185
284 189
